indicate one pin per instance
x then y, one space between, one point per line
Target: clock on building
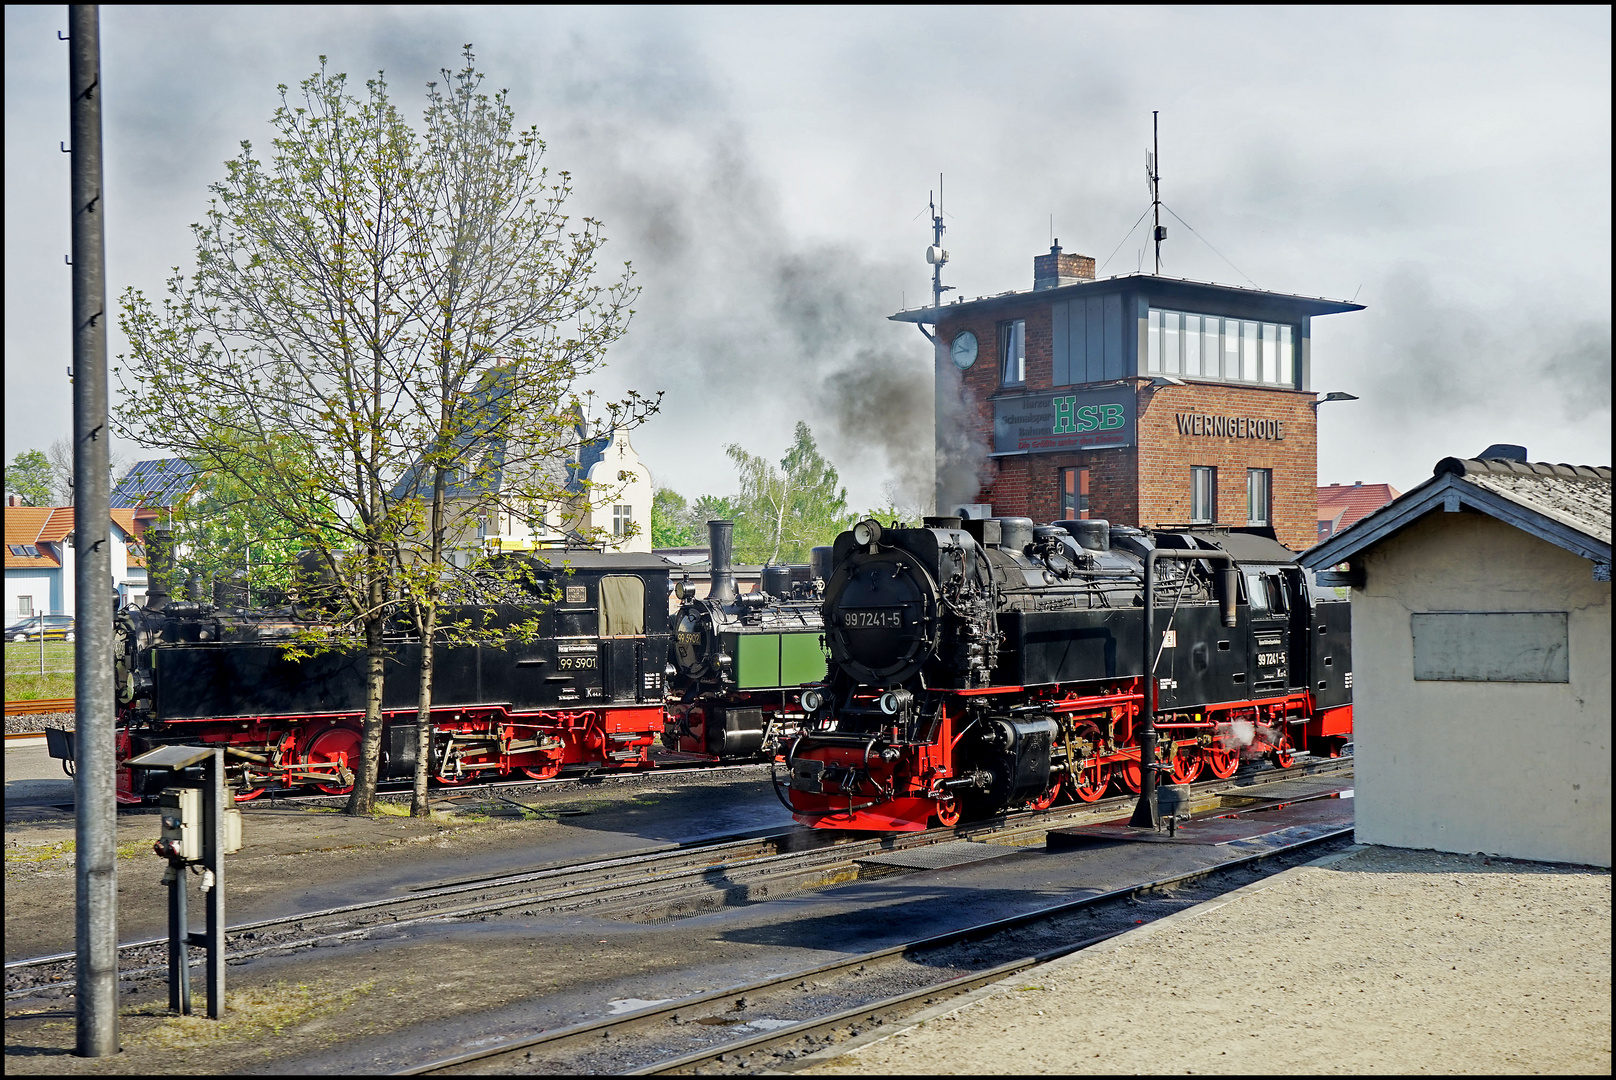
963 351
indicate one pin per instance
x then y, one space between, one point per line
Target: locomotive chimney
159 568
720 535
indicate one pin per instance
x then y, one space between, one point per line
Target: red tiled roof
28 525
50 525
1346 503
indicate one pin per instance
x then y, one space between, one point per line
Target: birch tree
514 318
783 513
282 364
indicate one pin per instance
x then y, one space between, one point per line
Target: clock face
963 351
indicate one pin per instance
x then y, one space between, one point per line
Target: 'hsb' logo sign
1072 420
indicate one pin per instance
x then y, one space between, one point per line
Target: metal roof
1307 305
1566 505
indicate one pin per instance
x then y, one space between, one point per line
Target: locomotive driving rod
1145 813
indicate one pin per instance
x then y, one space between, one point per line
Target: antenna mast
935 254
1152 161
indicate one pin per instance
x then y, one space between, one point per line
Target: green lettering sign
1063 416
1112 417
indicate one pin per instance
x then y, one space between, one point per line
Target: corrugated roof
1574 495
1566 505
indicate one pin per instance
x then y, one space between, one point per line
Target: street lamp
1334 395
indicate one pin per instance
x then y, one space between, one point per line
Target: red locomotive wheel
1222 763
249 794
948 811
546 771
452 779
337 746
1091 784
1127 778
1046 800
1187 765
1284 756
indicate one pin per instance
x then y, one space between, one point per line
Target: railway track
987 952
667 882
42 705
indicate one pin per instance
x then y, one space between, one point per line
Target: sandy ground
1386 961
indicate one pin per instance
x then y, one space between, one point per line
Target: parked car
27 628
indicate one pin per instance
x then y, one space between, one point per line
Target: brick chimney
1057 268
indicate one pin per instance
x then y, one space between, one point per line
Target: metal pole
1155 183
214 803
1146 814
95 773
179 950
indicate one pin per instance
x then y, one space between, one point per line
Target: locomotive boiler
978 666
578 683
739 660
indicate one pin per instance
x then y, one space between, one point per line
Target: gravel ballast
1385 961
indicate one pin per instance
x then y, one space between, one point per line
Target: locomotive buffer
1147 812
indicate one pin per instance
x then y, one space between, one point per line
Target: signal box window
1013 348
25 605
1259 496
1074 494
1203 494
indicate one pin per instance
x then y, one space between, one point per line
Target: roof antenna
1154 178
935 254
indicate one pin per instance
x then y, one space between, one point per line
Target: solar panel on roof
158 482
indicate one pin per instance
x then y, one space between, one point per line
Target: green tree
29 477
670 520
279 364
782 513
513 319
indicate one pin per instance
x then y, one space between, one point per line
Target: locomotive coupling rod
1146 814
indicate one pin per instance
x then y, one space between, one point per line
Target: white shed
1482 653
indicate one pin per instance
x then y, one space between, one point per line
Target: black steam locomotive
982 665
740 660
586 691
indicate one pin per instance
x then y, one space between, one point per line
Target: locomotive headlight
867 532
811 701
680 590
894 702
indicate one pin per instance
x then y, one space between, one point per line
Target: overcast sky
767 172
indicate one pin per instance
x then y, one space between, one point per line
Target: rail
41 705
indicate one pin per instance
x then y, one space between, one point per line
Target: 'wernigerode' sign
1073 420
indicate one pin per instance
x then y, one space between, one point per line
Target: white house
40 561
610 489
1481 654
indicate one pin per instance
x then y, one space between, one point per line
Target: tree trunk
429 624
363 800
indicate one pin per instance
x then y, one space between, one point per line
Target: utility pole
95 931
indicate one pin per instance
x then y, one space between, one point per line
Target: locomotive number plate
684 637
1270 659
577 594
575 663
885 619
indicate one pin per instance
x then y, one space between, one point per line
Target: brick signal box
1145 400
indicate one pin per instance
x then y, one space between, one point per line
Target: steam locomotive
585 692
981 665
739 660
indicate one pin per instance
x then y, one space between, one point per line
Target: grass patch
34 853
249 1014
23 679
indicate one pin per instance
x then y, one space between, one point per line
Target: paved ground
1385 961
